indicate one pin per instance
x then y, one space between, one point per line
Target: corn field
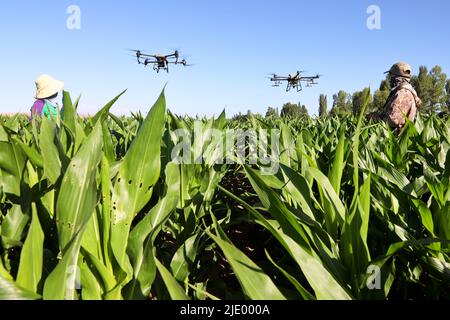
97 209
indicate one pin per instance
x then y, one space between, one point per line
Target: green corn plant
97 208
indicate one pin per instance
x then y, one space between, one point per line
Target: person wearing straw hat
47 89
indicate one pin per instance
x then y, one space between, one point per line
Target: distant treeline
432 86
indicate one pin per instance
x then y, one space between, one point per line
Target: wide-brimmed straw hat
47 86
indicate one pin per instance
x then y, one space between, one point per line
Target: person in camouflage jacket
403 99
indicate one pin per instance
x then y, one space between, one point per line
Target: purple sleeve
37 107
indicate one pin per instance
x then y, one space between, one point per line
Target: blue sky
234 44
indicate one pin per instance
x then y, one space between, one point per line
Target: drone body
294 82
159 62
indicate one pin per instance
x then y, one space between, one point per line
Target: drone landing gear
297 86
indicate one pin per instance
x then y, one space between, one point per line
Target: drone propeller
137 52
183 63
137 55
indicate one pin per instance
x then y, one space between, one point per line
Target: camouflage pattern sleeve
402 103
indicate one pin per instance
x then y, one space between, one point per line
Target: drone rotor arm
277 78
148 55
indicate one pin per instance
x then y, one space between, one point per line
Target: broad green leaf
335 203
75 206
337 169
63 281
140 243
184 258
139 171
276 207
354 249
388 172
69 113
105 277
105 110
78 194
91 287
425 215
303 292
4 273
108 144
356 142
434 185
32 154
13 227
288 155
92 239
30 267
298 188
256 284
3 134
9 290
106 213
321 280
175 290
12 163
49 150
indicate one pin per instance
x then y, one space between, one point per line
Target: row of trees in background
432 86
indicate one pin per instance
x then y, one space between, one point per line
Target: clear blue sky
235 44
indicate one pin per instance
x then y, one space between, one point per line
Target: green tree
358 100
342 103
290 110
431 88
380 96
271 112
424 86
447 90
323 105
240 117
438 93
304 110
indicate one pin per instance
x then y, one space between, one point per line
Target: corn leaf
75 206
175 290
139 171
30 267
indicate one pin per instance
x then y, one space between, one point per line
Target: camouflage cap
401 69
